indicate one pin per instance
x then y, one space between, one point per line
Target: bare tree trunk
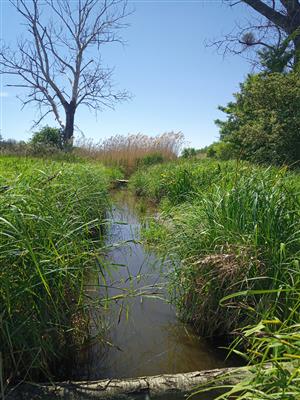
297 50
288 21
69 126
267 11
295 19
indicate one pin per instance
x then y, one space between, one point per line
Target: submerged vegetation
233 232
51 234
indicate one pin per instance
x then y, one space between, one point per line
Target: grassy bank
233 233
50 222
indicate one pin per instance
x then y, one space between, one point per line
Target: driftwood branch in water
152 385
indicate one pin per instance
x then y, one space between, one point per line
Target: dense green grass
50 235
233 233
228 224
182 180
176 181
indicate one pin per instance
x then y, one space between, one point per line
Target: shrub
188 152
48 137
150 159
263 123
221 151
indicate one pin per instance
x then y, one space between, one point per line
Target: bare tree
59 60
278 22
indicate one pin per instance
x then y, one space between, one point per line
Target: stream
145 336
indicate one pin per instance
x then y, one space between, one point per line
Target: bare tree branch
278 22
59 61
269 12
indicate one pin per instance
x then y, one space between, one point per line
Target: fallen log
112 388
121 182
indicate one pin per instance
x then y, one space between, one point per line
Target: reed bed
225 224
180 180
133 150
233 233
51 214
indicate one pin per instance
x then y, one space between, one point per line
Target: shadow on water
145 335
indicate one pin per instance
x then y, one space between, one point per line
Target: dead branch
59 62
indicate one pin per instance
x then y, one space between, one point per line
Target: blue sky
175 81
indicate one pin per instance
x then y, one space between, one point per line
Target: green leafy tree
189 152
48 137
263 123
276 59
221 151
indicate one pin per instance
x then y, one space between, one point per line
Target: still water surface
146 336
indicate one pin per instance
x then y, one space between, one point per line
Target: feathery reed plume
129 151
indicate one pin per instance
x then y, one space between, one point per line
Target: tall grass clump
231 228
51 215
239 238
232 234
179 181
132 151
271 348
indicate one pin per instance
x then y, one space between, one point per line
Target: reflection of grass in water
138 207
130 288
150 265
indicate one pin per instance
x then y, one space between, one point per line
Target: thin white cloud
3 94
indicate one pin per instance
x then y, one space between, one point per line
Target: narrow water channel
145 335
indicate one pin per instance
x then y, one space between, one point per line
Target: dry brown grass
130 150
214 277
